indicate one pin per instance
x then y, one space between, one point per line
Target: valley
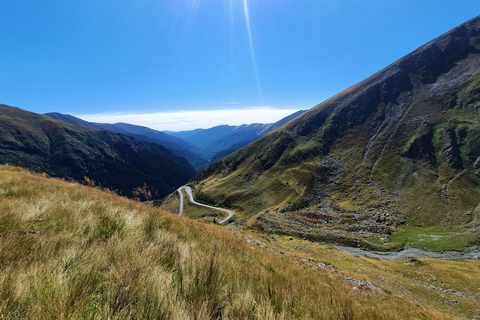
366 206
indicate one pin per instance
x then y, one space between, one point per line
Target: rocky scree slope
114 161
401 147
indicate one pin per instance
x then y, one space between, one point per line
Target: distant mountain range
112 160
220 141
396 152
200 147
178 146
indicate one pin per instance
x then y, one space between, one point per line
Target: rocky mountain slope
112 160
398 152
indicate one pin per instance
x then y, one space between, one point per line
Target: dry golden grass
71 251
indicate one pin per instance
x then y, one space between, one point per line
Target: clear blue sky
161 56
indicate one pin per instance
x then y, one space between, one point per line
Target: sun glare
252 51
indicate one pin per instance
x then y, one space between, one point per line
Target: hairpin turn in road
189 192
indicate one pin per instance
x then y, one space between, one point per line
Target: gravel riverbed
409 253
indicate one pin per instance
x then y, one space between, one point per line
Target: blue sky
155 61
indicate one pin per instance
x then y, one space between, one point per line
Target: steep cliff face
407 138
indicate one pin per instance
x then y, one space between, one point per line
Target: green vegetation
247 192
438 238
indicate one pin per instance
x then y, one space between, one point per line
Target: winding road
189 192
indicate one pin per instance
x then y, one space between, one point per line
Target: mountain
200 147
178 146
113 160
393 160
224 139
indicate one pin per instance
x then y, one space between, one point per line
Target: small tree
145 193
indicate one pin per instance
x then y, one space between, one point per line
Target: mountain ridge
396 150
178 146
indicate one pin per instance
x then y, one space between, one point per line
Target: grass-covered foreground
74 252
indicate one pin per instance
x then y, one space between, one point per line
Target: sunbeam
252 51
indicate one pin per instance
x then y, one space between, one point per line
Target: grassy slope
71 251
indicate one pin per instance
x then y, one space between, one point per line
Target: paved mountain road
189 192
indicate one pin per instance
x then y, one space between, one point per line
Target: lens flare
252 51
